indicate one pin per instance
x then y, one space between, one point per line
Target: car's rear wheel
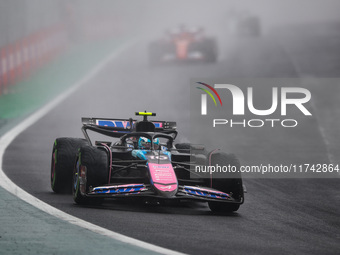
62 162
91 170
231 185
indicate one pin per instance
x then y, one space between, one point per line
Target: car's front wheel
231 184
91 170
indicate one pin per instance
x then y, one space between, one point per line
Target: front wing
144 190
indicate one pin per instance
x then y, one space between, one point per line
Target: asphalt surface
279 216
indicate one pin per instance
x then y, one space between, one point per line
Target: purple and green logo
204 97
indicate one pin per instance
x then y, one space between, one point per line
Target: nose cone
164 179
168 190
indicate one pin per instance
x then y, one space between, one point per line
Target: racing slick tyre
63 157
91 169
232 185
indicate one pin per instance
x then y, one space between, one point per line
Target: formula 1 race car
183 45
243 24
142 161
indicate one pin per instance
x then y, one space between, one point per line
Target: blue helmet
145 143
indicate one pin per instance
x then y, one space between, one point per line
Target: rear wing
119 127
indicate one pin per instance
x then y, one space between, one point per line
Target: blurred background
34 31
22 21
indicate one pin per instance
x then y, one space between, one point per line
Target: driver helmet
145 143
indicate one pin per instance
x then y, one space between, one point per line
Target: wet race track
279 216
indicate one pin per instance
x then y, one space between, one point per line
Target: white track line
7 184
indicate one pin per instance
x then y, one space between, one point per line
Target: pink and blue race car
140 159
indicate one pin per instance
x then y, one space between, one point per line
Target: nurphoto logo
281 98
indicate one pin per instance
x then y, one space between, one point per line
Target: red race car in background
183 45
